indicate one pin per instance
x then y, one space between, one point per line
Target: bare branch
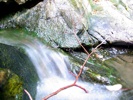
81 69
86 61
63 88
77 77
28 94
81 44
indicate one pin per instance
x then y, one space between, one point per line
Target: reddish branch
81 69
63 88
76 78
81 44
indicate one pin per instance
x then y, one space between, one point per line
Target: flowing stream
52 69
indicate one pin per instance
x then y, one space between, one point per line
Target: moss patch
11 86
13 59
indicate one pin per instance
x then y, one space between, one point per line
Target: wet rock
124 65
14 59
95 70
11 87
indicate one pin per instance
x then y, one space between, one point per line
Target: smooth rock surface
111 25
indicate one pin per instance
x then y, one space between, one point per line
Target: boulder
15 60
111 25
59 21
56 21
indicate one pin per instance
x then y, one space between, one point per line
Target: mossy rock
95 70
15 59
124 65
11 87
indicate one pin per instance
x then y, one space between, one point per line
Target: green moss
95 70
119 2
109 75
13 59
11 87
17 34
74 3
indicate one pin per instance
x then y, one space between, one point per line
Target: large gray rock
55 21
111 24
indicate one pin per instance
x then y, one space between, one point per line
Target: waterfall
53 70
47 62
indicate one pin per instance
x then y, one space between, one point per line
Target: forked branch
76 78
81 69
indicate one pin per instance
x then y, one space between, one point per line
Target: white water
52 69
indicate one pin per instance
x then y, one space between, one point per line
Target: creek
53 70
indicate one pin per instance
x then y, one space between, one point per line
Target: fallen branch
76 78
81 69
63 88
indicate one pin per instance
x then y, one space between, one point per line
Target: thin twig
76 79
63 88
72 73
28 94
86 61
81 44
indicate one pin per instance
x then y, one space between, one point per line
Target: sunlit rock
111 25
115 87
57 22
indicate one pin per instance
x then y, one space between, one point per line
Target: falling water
52 68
